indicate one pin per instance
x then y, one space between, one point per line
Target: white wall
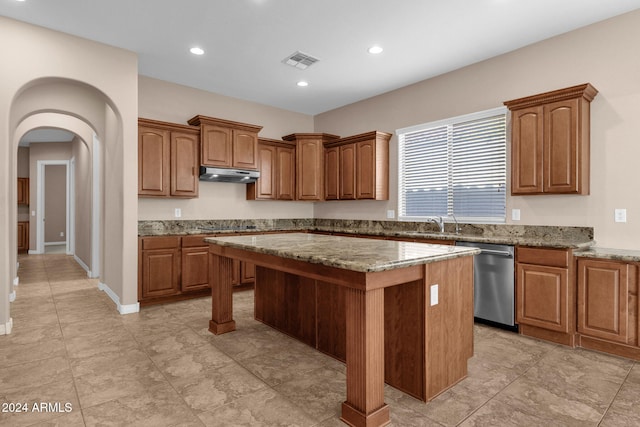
604 54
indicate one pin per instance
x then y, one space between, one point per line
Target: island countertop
350 253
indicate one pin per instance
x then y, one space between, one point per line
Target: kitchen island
398 299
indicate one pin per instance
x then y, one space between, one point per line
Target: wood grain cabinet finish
227 144
23 191
603 300
159 268
550 142
23 237
277 166
310 164
168 159
357 167
545 294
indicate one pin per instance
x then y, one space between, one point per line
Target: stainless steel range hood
239 176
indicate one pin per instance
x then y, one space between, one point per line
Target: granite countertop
540 236
351 253
610 254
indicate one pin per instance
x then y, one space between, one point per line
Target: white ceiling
46 135
246 40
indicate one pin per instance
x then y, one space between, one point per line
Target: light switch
620 215
391 214
515 214
434 294
178 213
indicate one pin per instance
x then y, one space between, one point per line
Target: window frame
447 122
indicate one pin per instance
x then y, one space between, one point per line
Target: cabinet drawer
543 256
165 242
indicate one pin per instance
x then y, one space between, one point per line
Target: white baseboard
5 329
34 252
83 265
122 309
55 243
12 296
16 281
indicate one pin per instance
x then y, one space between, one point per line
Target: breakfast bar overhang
363 269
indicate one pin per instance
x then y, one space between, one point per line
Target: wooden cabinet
23 191
545 294
23 237
159 267
168 159
277 166
357 167
608 305
550 142
227 144
310 164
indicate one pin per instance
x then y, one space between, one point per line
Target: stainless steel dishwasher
493 284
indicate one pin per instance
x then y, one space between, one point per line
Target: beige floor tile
24 333
115 339
262 408
72 419
190 363
34 374
500 414
279 367
22 353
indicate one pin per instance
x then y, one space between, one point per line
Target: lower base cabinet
23 237
608 308
173 268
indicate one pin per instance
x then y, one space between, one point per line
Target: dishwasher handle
505 254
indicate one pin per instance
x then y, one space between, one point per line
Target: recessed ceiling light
196 51
302 83
375 50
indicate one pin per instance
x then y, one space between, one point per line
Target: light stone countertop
350 253
609 254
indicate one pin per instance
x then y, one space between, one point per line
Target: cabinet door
265 187
153 162
247 272
542 297
561 147
195 268
217 146
160 272
348 172
603 291
23 236
23 191
245 149
286 173
527 133
310 170
331 173
184 164
366 170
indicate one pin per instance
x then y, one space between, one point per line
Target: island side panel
221 279
448 324
365 359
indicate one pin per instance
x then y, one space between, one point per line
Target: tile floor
161 367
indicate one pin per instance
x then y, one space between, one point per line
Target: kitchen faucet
438 221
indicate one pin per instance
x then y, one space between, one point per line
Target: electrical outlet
434 294
178 213
515 214
620 215
62 234
391 214
33 213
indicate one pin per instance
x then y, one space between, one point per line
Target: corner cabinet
168 161
357 167
310 164
227 144
277 166
545 294
550 142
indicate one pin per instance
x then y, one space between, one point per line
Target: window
455 167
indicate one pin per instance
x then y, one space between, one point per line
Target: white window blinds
455 167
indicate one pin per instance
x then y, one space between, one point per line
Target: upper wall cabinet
23 191
310 164
168 164
227 144
550 142
277 166
357 167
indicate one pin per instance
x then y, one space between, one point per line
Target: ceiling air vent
300 60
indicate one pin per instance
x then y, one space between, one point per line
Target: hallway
161 367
